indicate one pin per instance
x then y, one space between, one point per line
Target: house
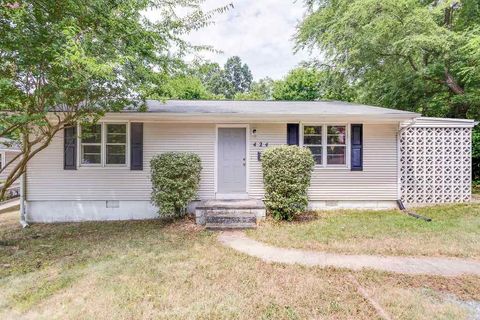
366 157
9 149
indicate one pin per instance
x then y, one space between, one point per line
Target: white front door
231 161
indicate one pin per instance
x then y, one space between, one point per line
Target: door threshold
231 196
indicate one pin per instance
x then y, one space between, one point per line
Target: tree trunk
459 110
453 84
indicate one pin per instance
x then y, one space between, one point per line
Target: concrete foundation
67 211
352 204
83 210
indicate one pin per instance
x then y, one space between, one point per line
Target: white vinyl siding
377 181
273 134
46 179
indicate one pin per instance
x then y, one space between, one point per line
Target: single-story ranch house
366 157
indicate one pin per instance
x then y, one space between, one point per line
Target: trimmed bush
286 177
476 156
175 179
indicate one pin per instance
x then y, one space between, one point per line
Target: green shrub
175 180
476 154
286 176
476 187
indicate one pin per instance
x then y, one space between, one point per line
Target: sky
260 32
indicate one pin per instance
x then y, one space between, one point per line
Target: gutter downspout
23 220
23 196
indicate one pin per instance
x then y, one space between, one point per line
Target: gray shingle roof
270 107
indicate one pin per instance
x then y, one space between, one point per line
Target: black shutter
70 148
293 137
136 146
357 147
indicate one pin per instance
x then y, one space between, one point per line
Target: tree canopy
259 90
235 77
238 75
405 54
72 61
309 83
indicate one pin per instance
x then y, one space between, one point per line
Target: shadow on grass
42 245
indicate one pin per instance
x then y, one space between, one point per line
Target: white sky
258 31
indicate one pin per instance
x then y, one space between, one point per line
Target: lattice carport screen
435 164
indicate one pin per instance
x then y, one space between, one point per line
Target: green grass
454 231
158 270
475 188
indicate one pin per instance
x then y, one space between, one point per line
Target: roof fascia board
440 123
213 118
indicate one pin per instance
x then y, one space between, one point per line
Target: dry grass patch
454 232
158 270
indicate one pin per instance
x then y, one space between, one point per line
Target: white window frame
103 148
105 143
324 126
81 144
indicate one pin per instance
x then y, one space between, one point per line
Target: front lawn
157 270
454 231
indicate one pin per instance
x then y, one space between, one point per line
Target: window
110 138
2 159
116 143
312 139
92 145
328 144
336 145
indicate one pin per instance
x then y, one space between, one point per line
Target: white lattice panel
435 164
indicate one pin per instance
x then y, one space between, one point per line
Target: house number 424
260 144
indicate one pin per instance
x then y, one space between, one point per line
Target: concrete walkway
408 265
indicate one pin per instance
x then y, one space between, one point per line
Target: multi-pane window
91 145
328 143
312 139
98 139
116 146
336 145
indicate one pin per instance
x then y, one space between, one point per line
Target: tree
183 87
300 84
233 78
70 61
212 76
406 54
238 75
476 155
260 90
308 83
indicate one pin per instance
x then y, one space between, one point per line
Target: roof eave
213 117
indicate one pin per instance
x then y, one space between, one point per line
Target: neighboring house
366 157
8 150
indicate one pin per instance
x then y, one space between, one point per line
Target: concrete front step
229 214
231 204
230 222
223 226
